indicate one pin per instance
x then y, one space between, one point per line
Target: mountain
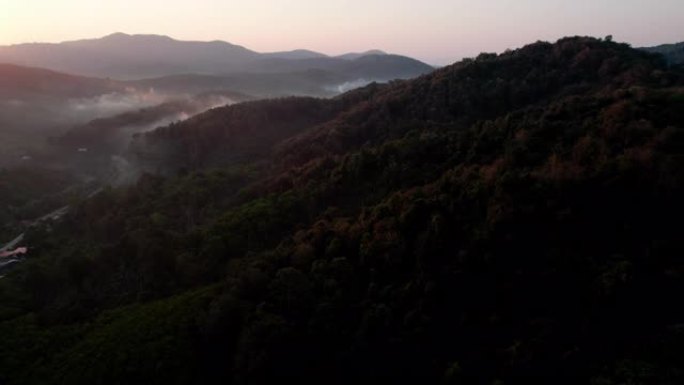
674 53
322 77
26 84
243 134
298 54
91 148
357 55
36 104
461 93
385 67
506 219
305 83
128 57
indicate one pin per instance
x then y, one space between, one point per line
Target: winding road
9 258
13 252
13 243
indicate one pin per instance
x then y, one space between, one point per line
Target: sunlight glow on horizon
435 31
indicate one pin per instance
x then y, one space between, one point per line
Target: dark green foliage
510 219
237 134
163 334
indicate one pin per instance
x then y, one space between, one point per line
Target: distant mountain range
128 57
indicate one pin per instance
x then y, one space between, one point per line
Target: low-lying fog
26 126
85 109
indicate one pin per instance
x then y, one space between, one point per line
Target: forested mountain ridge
456 95
503 220
36 101
274 77
18 83
674 53
241 134
27 194
110 133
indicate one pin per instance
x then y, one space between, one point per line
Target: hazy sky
437 31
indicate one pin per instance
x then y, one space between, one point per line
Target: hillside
673 52
458 96
507 219
240 135
114 132
308 83
18 83
358 55
94 148
34 101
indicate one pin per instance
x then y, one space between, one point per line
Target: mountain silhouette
126 57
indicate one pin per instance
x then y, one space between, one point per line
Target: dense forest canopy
509 219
